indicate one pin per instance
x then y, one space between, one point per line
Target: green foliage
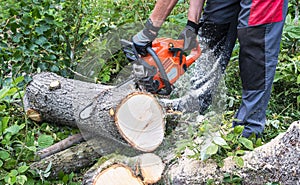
219 141
232 179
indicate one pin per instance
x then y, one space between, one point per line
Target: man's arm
161 11
195 10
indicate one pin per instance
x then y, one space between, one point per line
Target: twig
63 144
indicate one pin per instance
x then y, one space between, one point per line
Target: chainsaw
162 66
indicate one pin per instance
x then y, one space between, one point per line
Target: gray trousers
258 26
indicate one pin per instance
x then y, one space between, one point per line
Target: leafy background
53 35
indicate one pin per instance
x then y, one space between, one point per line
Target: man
258 26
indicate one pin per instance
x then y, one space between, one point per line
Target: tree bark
55 104
121 115
70 160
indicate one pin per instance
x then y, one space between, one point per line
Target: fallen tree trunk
277 161
51 98
123 115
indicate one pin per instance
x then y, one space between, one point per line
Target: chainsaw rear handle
194 55
164 76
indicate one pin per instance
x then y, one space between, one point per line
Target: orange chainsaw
162 66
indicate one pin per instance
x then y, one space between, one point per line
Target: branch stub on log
55 84
33 115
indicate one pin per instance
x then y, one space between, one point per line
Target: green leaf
239 161
240 152
45 141
14 129
42 28
17 37
54 68
21 179
22 169
65 179
27 20
212 149
1 164
258 142
36 12
47 170
18 79
4 155
33 47
13 172
41 40
219 141
246 143
3 123
32 148
238 129
3 92
226 147
12 91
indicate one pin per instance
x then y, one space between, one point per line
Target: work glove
189 35
144 38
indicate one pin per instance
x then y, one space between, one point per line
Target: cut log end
143 169
117 174
140 120
152 168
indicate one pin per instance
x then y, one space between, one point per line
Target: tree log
277 161
55 104
73 159
142 169
80 160
124 116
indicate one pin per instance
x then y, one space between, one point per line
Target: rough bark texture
88 106
70 160
276 161
56 105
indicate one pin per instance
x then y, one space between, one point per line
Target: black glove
189 35
144 38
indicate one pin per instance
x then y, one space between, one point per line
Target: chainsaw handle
194 55
165 79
